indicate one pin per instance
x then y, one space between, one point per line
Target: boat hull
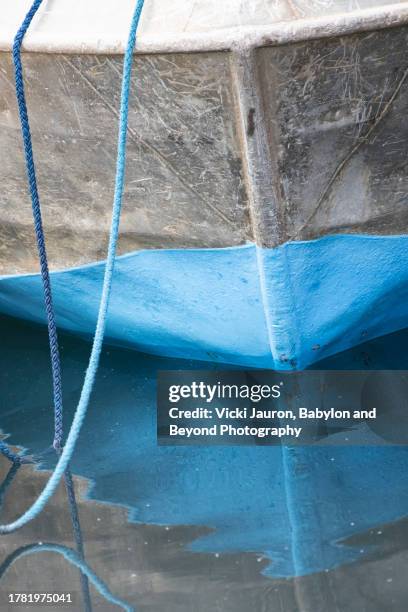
281 308
264 218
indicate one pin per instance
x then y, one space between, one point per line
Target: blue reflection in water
292 505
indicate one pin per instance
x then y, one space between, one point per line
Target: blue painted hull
282 308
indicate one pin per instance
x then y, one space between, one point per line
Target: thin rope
91 371
72 557
45 276
76 526
38 225
11 474
7 452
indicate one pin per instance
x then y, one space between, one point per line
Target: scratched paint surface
285 308
341 140
183 180
331 112
107 23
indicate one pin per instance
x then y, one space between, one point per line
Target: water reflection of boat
264 220
293 511
151 567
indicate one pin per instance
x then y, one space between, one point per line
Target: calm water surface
198 528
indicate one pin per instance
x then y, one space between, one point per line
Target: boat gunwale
229 39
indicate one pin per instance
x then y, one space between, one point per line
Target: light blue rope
91 371
72 557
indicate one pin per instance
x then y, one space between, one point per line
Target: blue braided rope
7 452
72 557
91 371
11 474
38 225
45 275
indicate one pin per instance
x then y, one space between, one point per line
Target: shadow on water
203 528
